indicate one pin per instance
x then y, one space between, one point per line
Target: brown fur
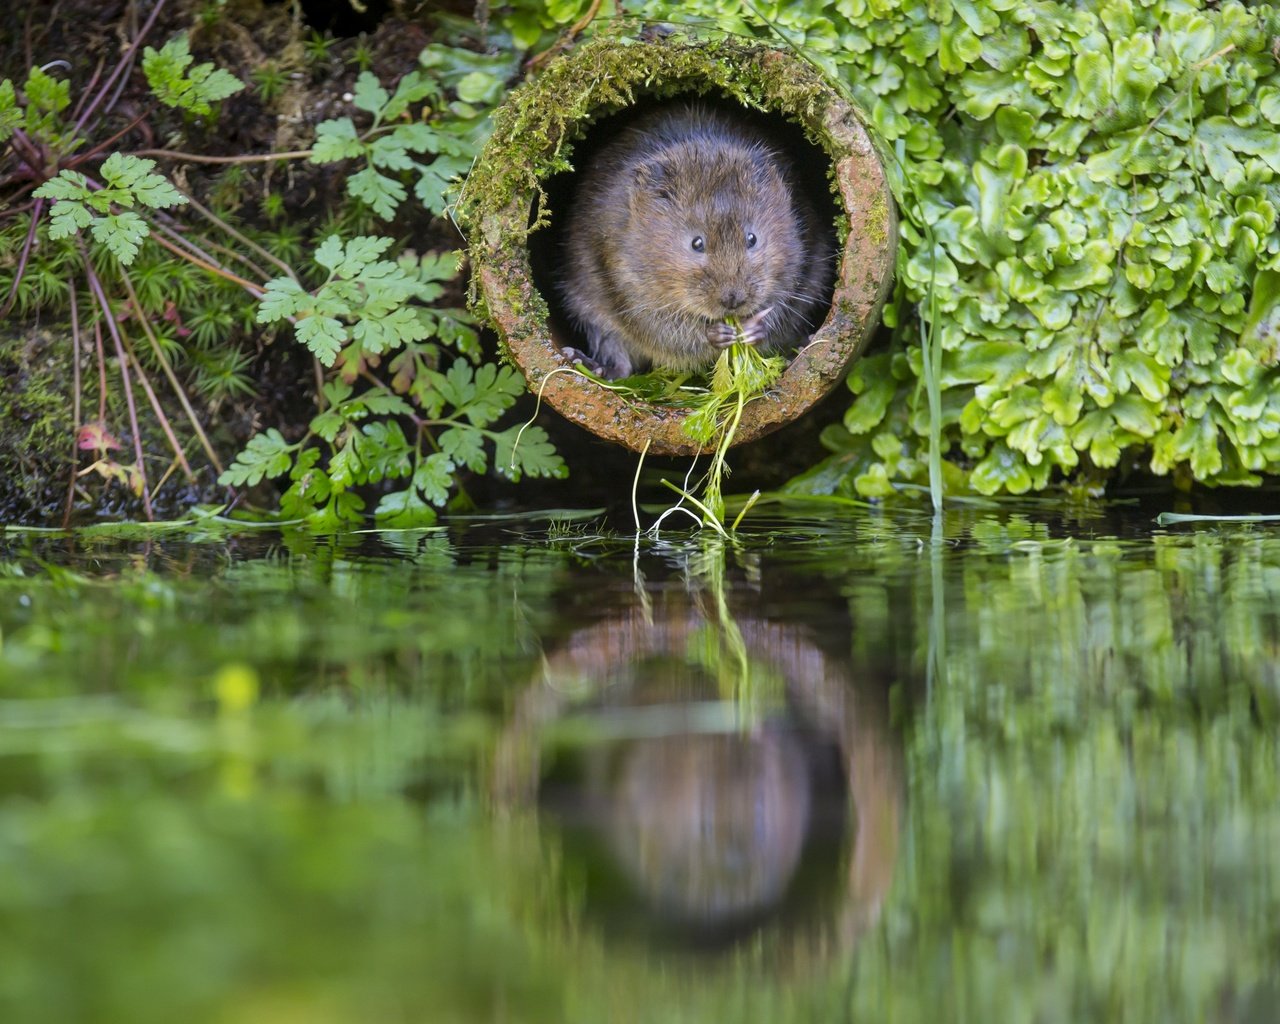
634 282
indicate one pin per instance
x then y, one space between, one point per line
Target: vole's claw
721 334
753 328
576 355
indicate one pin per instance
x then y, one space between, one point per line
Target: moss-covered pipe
506 202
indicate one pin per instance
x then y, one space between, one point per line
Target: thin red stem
81 158
168 372
102 373
75 400
29 150
203 261
22 259
200 158
96 287
156 407
125 63
84 93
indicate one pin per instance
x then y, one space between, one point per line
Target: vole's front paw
576 355
753 329
721 335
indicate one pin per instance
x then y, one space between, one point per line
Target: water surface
1008 766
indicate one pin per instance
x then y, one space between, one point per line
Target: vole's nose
732 298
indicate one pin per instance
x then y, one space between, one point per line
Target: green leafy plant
741 373
368 309
1089 231
407 401
432 153
270 80
175 83
58 157
127 182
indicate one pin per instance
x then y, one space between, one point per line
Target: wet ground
1006 766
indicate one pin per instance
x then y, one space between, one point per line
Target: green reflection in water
1089 817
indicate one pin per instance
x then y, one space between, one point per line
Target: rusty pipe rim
534 131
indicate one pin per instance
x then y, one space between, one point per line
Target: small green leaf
404 510
411 88
67 218
174 85
369 94
282 297
465 446
479 87
434 478
336 139
360 252
67 185
267 455
323 335
46 94
330 253
10 115
517 455
381 193
122 233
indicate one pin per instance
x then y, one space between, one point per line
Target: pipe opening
811 166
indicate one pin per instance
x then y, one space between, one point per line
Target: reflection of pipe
820 688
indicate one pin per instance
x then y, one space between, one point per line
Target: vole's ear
653 178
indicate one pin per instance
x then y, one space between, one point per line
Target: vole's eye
751 240
698 244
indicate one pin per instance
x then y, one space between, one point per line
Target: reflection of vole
711 827
691 217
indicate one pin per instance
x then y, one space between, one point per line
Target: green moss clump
36 426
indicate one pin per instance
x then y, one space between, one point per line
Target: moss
36 425
876 222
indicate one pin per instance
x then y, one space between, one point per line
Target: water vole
688 218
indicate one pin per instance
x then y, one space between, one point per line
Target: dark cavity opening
342 19
811 164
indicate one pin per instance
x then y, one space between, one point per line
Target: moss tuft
36 429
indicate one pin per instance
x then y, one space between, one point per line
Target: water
1007 767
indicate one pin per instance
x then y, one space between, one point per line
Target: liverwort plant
1091 241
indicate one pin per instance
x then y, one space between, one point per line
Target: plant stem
156 407
75 402
243 239
22 259
81 158
95 286
102 372
168 372
204 261
931 366
200 158
84 94
126 61
29 151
